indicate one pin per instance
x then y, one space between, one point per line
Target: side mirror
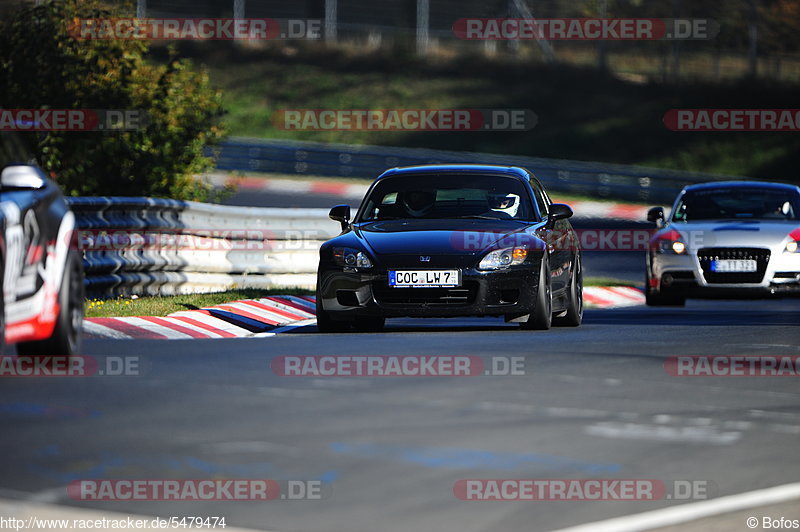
341 214
558 211
22 176
655 214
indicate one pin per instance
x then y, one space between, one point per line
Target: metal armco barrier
149 246
602 180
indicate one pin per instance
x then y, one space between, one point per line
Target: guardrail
160 246
148 246
602 180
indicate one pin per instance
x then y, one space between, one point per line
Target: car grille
706 255
388 295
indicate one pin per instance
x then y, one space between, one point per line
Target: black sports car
451 240
42 276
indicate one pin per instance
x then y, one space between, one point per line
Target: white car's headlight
669 242
793 245
351 257
502 258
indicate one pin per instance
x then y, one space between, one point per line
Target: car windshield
752 203
448 196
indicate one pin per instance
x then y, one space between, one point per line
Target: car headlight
502 258
669 242
793 245
351 257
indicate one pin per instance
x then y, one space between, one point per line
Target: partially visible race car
451 240
41 309
737 239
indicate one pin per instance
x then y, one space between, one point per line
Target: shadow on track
725 316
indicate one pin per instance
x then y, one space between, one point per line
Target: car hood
436 237
735 233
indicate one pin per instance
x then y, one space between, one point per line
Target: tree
46 67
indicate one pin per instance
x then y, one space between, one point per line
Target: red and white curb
238 319
355 192
606 209
257 318
612 296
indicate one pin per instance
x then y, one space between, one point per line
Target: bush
45 67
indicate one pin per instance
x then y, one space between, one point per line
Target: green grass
608 281
583 114
163 305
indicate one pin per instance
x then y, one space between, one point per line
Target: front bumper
347 295
683 275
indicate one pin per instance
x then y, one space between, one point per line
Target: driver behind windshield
418 203
504 203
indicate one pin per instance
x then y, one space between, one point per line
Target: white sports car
726 239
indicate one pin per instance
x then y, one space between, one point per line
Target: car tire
664 300
327 325
542 316
372 324
574 314
661 299
67 337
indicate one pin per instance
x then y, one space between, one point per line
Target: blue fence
601 180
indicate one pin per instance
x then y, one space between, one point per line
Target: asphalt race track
593 402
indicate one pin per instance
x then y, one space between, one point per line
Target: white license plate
733 265
424 278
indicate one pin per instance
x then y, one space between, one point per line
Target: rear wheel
542 316
324 322
574 314
66 339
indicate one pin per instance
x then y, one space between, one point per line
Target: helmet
418 202
507 203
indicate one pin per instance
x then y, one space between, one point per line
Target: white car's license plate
424 278
733 266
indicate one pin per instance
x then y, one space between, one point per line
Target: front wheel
542 316
66 339
371 324
574 314
324 322
661 299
